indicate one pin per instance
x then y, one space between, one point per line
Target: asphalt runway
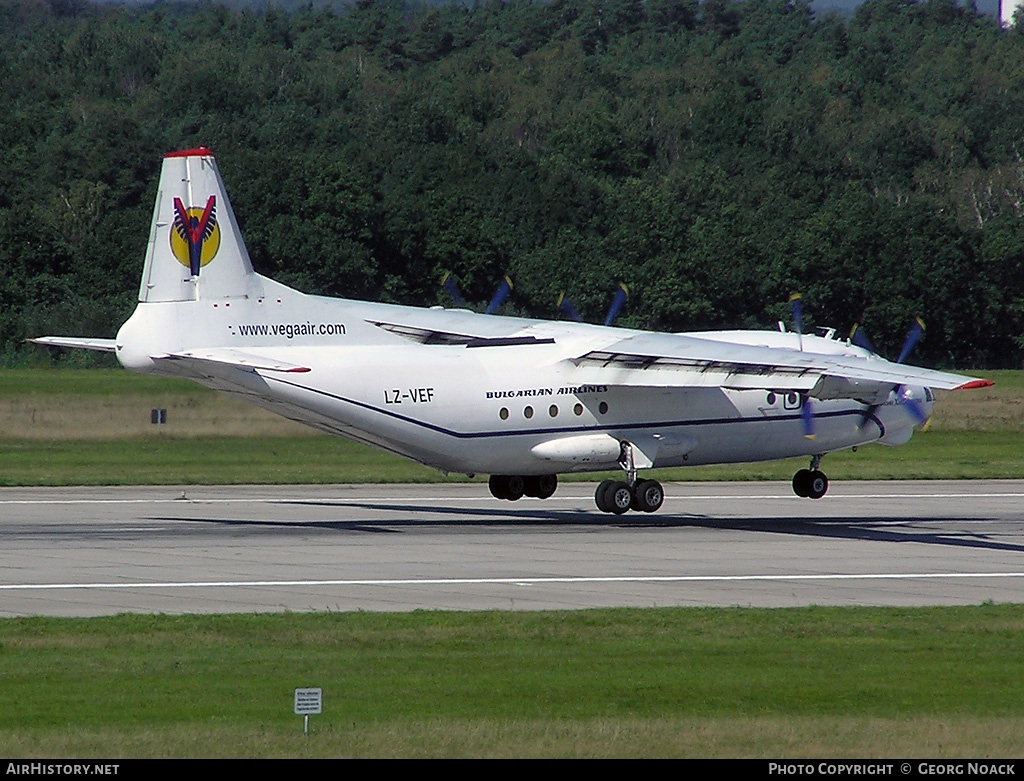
98 551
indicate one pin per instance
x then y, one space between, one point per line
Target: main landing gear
811 483
618 496
515 487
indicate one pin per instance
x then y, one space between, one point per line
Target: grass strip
163 460
834 682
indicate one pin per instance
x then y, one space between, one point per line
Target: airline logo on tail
196 235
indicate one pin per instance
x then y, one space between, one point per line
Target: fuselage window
553 411
503 413
603 407
528 413
577 410
771 399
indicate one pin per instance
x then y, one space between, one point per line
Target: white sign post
308 701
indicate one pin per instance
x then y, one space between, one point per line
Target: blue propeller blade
796 304
448 283
503 290
913 405
868 413
620 298
807 413
859 338
916 332
566 306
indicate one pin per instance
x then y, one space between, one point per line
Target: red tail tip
200 152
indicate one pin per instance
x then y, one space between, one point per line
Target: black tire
508 487
540 486
649 496
514 488
599 495
498 486
619 497
802 483
817 485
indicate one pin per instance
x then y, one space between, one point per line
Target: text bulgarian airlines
569 390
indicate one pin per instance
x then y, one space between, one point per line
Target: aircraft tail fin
195 248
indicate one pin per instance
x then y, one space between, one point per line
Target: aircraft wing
663 360
81 343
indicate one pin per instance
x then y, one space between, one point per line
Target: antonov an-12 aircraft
520 400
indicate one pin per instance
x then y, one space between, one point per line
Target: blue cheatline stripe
568 429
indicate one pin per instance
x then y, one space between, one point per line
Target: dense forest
715 156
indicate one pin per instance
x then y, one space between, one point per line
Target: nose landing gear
811 483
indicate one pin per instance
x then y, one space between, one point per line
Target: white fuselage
492 408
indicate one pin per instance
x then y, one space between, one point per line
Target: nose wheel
811 483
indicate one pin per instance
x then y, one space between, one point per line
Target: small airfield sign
308 702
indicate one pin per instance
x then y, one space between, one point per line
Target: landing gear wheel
810 483
648 496
497 485
508 487
540 486
600 498
818 485
619 497
801 483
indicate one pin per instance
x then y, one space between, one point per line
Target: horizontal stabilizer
78 343
234 358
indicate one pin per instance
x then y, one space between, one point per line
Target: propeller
566 306
859 338
448 283
806 408
796 305
903 393
621 294
913 337
617 302
499 297
807 415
